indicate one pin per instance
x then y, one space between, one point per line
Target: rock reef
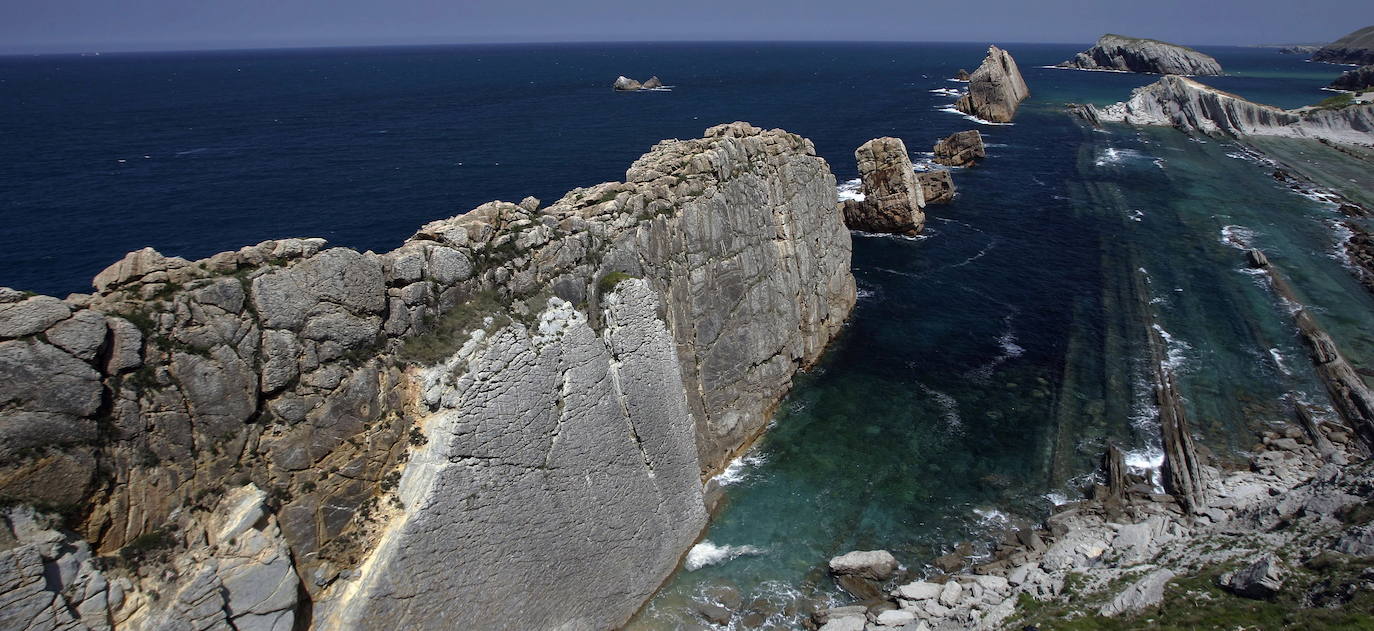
1133 54
1191 106
504 423
995 89
1356 48
892 195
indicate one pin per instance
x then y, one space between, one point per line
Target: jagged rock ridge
1133 54
995 89
504 423
1356 48
1186 104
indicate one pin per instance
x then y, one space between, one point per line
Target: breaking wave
707 553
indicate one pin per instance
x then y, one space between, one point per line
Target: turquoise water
988 364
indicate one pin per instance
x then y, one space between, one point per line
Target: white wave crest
1176 350
738 469
1238 237
851 189
951 110
707 553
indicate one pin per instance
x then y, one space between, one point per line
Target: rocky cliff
504 423
1355 48
1133 54
995 89
1359 79
1186 104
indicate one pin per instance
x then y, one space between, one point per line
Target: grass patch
608 282
446 333
1336 102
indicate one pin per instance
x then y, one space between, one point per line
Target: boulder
919 590
712 613
134 266
1148 591
1259 580
895 618
892 195
653 82
961 149
626 84
937 187
995 89
878 565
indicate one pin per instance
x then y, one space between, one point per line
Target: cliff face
995 89
1132 54
1355 48
893 197
504 423
1186 104
1356 80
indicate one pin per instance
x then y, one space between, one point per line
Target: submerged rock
892 195
960 149
995 89
1134 54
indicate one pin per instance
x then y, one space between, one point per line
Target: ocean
987 364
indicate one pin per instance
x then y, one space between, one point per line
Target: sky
28 26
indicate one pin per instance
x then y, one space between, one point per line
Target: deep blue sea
987 362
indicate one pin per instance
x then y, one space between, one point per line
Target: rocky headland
1356 48
504 423
995 90
1191 106
1357 80
1134 54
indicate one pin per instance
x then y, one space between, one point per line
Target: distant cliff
504 423
1133 54
1186 104
995 89
1356 48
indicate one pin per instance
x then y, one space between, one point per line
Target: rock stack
995 89
626 84
892 195
960 150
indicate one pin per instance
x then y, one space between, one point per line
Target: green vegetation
446 333
148 547
1196 603
608 282
1336 102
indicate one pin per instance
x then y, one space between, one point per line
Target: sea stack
626 84
937 186
962 149
1356 48
1134 54
892 195
995 89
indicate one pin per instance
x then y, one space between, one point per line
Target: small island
626 84
1134 54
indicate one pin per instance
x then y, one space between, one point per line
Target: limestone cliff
1133 54
1191 106
995 89
1356 48
504 423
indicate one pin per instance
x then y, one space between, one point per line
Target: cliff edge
504 423
1134 54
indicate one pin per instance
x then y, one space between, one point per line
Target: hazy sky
107 25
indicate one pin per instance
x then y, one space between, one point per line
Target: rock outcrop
995 89
937 186
1357 80
1191 106
626 84
1133 54
892 195
961 149
653 82
504 423
1356 48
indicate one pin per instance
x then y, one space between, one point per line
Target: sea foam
707 553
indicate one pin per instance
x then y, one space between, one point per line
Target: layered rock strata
504 423
960 149
1191 106
1133 54
892 195
995 89
1356 48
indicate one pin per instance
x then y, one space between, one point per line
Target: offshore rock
626 84
653 82
937 187
962 75
503 423
1357 80
961 149
1191 106
995 89
1355 48
1133 54
892 195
